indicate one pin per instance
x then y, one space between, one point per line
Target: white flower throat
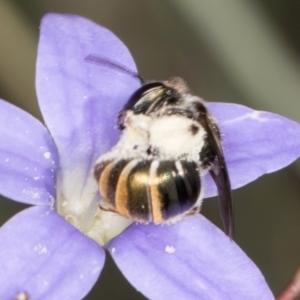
82 209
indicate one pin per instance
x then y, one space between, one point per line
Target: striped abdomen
149 190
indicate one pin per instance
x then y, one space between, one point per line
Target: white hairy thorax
166 136
176 137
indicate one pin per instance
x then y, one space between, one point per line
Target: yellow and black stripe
149 191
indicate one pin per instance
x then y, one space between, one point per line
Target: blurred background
246 52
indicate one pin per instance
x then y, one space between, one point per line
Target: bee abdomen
149 191
176 190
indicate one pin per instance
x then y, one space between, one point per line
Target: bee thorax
176 137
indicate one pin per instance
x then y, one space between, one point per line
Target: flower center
78 202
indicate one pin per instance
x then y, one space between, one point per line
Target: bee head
152 96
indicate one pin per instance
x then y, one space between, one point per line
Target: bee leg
110 209
193 211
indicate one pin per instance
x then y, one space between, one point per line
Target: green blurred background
245 52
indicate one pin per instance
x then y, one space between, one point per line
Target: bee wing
220 175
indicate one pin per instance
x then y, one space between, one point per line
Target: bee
169 142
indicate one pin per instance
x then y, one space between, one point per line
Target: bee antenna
114 65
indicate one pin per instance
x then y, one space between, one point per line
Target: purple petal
79 100
191 259
43 255
28 157
255 143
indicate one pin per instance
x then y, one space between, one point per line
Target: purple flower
52 255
